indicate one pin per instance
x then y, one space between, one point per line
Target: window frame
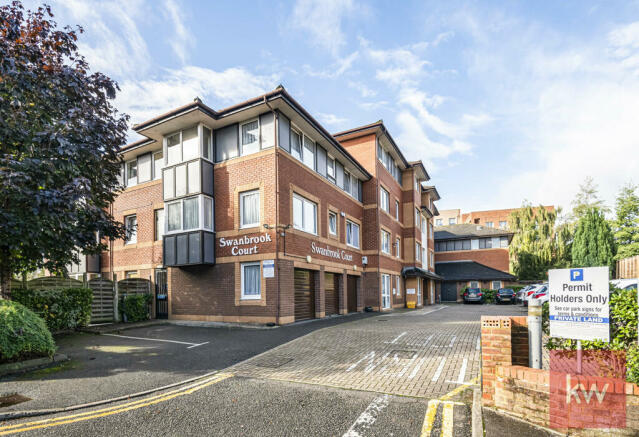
492 285
396 209
356 225
200 216
158 233
330 168
244 296
242 195
295 131
418 251
452 221
503 224
303 200
131 236
490 224
314 152
257 141
439 222
384 199
398 242
128 178
332 214
155 170
385 242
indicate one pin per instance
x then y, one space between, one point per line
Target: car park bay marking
438 372
57 421
478 344
191 345
462 372
398 337
368 417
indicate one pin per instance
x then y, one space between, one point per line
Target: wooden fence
102 306
628 267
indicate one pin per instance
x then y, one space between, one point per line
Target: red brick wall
493 215
494 258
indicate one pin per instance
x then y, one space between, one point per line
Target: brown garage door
304 295
331 294
351 292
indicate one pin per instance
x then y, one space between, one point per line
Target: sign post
579 305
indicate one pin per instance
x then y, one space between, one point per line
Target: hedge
623 331
23 334
62 309
135 307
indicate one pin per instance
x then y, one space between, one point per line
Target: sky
504 102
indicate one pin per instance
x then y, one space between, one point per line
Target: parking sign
579 302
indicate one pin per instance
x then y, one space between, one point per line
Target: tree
59 143
593 244
587 198
626 223
538 244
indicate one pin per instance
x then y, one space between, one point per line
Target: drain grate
12 399
403 354
273 362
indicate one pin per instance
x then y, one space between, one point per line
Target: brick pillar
360 293
496 350
341 292
320 290
286 291
519 341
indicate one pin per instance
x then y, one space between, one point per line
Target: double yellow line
57 421
447 414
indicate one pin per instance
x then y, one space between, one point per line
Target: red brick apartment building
493 218
255 213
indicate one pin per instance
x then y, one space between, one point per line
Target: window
185 214
399 290
397 247
432 233
251 284
496 285
503 224
452 221
207 143
418 252
355 187
397 210
249 137
250 209
190 144
503 241
174 211
465 244
489 224
191 212
385 290
131 173
296 144
173 149
158 163
417 218
432 259
308 156
439 222
424 224
386 242
347 181
473 284
352 234
485 243
208 212
332 223
416 184
130 274
304 214
330 168
384 199
131 227
424 258
159 224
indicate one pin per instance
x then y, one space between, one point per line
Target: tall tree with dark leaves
594 244
626 222
59 142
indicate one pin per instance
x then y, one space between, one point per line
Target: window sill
250 299
306 232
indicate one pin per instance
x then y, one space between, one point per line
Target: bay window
352 234
304 214
249 209
189 214
188 144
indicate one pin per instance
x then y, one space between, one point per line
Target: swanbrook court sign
332 253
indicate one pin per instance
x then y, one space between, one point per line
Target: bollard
534 333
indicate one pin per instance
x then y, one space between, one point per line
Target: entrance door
331 294
386 291
304 295
449 292
351 293
161 295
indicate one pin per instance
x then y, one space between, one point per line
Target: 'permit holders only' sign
579 302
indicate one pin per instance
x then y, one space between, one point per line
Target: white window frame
452 221
259 282
398 247
384 199
490 224
359 236
397 285
128 179
201 215
159 230
503 224
386 292
306 138
492 284
332 231
418 220
304 200
301 143
397 210
385 246
439 222
131 235
159 173
330 168
470 284
257 141
241 198
418 252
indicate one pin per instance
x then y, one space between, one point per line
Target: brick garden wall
511 387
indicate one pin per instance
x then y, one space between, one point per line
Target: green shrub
623 330
516 288
489 295
62 309
23 334
136 307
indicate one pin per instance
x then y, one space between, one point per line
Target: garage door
449 292
351 293
331 294
304 295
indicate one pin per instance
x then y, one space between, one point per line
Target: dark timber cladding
304 295
351 293
331 294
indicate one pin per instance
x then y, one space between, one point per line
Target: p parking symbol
576 274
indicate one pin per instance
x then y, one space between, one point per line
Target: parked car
505 295
537 290
625 284
521 294
542 295
473 295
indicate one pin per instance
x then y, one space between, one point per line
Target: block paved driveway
424 353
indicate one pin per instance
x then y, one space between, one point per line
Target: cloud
178 87
322 21
363 89
399 66
332 119
182 40
338 68
371 106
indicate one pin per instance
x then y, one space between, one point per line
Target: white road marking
416 368
478 343
410 363
398 337
452 341
462 371
368 418
199 344
370 356
438 372
371 366
191 345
